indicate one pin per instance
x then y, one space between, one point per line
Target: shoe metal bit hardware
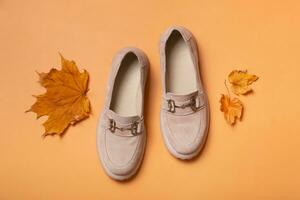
172 106
133 127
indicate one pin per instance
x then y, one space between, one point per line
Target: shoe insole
181 74
126 96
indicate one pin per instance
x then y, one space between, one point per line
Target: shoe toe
185 134
121 156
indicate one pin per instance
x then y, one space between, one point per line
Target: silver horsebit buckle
172 106
133 127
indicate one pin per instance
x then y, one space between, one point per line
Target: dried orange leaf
65 101
240 81
232 108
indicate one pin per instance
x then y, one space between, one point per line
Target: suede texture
184 129
121 151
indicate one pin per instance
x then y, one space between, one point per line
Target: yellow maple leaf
65 101
232 108
240 81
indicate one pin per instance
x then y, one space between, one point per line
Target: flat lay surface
258 158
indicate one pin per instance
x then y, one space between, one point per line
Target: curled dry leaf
232 108
65 101
240 81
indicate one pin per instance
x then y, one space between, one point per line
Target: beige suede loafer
184 115
121 134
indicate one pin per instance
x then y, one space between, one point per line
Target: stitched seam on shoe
173 138
108 157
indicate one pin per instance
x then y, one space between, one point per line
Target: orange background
256 159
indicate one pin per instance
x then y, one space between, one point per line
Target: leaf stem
227 88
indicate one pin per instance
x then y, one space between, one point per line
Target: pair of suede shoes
184 115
